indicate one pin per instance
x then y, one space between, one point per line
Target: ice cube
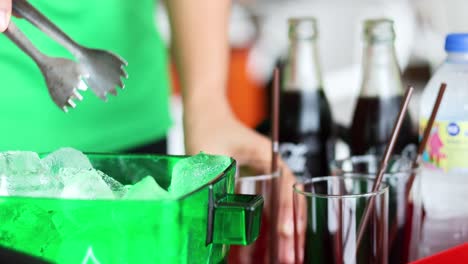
120 193
146 189
193 172
20 162
116 187
66 158
84 184
23 174
3 185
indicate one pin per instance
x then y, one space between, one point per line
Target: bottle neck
302 69
381 73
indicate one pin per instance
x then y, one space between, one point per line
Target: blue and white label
453 129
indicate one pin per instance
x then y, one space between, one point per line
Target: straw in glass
274 192
417 160
383 164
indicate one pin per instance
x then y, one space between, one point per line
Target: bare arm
5 14
201 51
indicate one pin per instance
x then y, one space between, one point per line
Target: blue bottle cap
456 42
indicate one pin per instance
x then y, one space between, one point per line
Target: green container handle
237 219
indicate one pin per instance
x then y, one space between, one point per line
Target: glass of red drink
265 248
404 209
332 209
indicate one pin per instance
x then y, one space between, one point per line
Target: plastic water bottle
444 176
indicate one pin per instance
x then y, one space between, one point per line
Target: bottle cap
379 30
303 28
456 42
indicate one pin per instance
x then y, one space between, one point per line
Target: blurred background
258 39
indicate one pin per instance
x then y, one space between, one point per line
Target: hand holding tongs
97 69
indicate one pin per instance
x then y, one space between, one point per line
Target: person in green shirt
138 118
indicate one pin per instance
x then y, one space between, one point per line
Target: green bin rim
94 154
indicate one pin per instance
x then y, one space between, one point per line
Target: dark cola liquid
373 123
306 132
400 234
325 247
331 232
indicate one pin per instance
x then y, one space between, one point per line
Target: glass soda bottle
444 174
306 126
380 96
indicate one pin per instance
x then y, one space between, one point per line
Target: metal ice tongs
97 69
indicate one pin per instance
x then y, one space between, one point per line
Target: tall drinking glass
265 248
404 209
332 209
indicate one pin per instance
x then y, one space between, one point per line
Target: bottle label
295 156
447 146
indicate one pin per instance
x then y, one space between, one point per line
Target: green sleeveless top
139 114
